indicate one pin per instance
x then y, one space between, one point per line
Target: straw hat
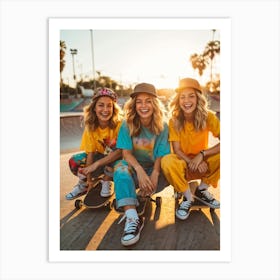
188 83
144 88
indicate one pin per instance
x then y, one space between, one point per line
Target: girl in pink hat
192 158
102 119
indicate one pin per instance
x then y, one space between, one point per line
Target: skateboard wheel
158 201
109 205
78 204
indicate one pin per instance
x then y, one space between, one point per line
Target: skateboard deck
93 199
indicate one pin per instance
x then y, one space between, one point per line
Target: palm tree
62 61
198 62
212 48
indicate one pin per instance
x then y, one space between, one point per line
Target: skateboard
93 199
197 205
142 204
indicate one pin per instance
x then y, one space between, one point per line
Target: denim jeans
126 183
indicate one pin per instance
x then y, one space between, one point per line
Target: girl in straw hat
102 122
189 128
143 138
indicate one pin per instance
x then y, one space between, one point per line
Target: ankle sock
188 195
131 214
203 186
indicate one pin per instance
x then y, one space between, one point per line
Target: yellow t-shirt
100 140
191 141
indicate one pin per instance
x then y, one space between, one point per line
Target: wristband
202 152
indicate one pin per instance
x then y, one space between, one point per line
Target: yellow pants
177 174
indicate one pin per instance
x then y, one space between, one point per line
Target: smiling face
144 107
104 110
188 101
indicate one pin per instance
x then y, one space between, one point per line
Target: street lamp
92 59
73 52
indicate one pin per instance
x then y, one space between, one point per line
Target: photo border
57 24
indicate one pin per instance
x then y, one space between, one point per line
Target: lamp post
73 52
92 59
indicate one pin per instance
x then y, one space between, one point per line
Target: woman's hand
154 180
203 167
89 169
195 162
145 184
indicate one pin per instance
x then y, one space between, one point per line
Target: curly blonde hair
200 113
133 119
91 120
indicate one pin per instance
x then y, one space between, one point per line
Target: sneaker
78 190
207 198
132 231
183 210
107 188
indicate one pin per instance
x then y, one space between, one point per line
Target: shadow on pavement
98 229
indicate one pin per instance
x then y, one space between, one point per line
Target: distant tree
201 61
198 62
62 61
212 48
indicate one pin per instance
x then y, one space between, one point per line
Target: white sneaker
107 188
183 210
132 231
78 190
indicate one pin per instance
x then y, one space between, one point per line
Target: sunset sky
160 57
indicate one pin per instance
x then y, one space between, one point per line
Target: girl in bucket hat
143 138
102 119
189 128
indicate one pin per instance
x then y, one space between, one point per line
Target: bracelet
202 152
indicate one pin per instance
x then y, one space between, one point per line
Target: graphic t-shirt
146 147
102 140
192 141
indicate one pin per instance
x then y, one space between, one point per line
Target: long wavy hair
133 119
90 118
200 113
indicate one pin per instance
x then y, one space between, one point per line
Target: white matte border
55 25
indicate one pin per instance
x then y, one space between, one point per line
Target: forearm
157 165
212 151
131 159
113 156
182 155
89 161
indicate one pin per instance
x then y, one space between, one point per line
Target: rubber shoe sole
182 217
207 203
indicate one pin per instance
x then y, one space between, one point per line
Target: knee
164 161
73 165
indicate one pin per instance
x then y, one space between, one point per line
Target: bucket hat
103 91
188 83
144 88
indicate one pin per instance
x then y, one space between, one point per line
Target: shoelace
122 218
185 205
130 226
207 194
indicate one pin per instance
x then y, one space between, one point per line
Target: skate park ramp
71 129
